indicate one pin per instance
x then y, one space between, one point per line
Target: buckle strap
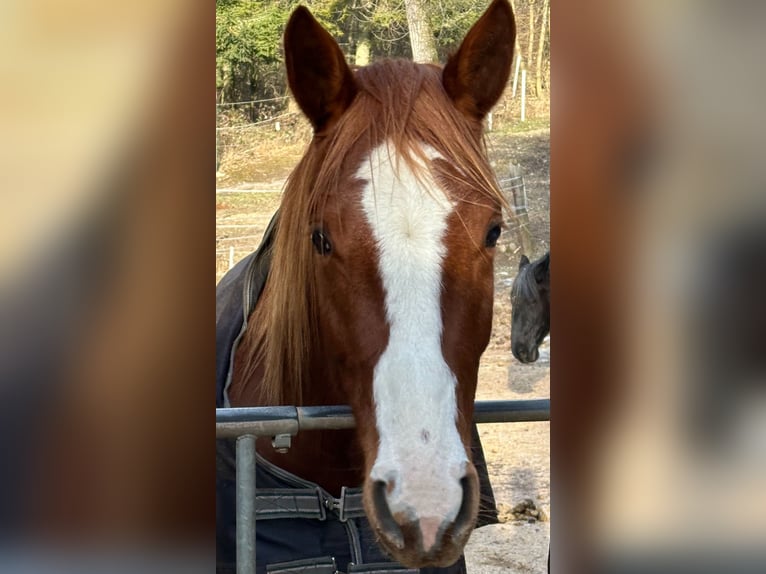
350 504
380 568
272 503
308 566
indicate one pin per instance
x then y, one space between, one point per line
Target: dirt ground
518 454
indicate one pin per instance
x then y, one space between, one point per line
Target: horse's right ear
318 75
523 262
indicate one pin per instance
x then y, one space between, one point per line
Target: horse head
530 308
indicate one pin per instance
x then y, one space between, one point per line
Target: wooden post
523 95
231 257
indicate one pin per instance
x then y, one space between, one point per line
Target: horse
381 282
530 307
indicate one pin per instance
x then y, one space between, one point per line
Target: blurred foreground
106 352
658 304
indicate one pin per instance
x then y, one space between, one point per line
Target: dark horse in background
530 308
531 312
380 288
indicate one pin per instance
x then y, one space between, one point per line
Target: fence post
231 257
246 504
523 95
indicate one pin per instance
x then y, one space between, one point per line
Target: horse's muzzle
524 354
423 541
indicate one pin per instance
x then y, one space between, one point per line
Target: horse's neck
332 459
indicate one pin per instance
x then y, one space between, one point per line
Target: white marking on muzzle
420 450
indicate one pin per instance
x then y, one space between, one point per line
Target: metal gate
246 424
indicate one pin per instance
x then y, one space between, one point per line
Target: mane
399 101
525 283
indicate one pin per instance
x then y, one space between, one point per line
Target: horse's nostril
468 508
521 353
389 528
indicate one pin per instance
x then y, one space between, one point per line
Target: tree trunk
421 37
540 48
359 36
531 37
521 64
362 52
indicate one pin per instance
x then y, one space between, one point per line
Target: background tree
541 44
530 32
249 63
421 36
247 49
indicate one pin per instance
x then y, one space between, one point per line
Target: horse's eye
321 243
492 236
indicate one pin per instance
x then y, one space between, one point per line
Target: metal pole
534 410
246 504
272 421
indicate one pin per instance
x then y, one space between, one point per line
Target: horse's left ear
542 268
523 262
476 75
317 72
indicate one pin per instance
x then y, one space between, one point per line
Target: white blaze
413 387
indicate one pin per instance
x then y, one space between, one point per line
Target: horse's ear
476 75
523 262
542 268
318 75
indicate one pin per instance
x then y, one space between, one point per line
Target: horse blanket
301 528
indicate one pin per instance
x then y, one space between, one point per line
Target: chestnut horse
380 292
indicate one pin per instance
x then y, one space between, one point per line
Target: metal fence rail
272 421
245 424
